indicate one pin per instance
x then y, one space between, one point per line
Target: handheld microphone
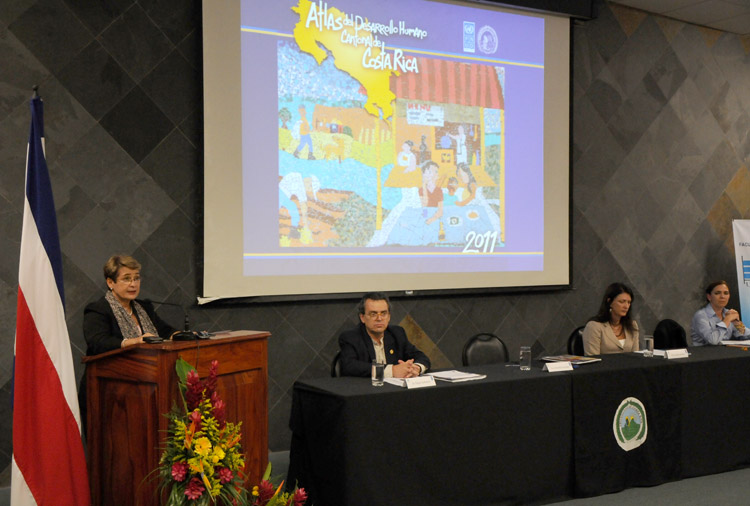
184 335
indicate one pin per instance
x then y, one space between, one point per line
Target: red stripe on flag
46 440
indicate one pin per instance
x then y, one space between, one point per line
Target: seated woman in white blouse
612 330
715 323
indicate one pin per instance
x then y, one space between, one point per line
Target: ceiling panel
727 15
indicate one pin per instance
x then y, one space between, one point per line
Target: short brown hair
115 262
714 284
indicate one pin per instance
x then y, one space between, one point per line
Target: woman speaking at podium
118 318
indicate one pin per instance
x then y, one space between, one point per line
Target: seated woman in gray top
715 323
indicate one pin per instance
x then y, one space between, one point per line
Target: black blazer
358 352
100 327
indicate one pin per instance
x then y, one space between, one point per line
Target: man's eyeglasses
374 315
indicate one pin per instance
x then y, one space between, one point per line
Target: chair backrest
336 366
484 348
669 335
575 342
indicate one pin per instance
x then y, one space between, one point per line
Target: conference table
520 436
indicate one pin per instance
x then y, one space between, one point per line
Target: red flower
265 491
225 474
194 392
220 413
300 496
179 470
195 417
210 383
194 489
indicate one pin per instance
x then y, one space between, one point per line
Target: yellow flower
196 465
202 446
218 455
216 490
255 491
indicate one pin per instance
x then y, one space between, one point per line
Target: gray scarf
127 326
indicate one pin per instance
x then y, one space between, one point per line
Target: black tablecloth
715 411
519 437
504 439
601 465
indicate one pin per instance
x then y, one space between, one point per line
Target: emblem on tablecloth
630 426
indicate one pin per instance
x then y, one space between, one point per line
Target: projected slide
407 133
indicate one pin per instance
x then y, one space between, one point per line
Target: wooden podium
130 389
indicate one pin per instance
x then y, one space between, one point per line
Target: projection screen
394 145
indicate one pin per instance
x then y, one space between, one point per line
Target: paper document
737 343
399 382
573 359
415 382
657 353
456 376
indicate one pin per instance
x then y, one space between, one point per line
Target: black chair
669 335
336 366
483 349
575 342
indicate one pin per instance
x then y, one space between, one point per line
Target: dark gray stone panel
636 57
96 80
19 71
135 42
175 18
94 240
172 166
137 124
668 73
173 86
173 244
97 164
97 15
51 32
635 115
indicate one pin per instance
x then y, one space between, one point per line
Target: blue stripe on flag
39 194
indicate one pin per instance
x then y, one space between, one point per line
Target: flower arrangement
202 462
266 494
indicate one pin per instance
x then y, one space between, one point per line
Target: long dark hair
612 291
464 167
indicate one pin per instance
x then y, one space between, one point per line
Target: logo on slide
630 425
469 43
487 40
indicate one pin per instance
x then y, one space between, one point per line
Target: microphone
184 335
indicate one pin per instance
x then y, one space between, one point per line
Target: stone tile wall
660 154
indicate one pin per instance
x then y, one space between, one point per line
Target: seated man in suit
375 339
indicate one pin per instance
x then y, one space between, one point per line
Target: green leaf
183 368
267 474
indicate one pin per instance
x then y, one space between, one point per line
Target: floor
727 489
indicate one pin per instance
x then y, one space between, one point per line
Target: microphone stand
184 335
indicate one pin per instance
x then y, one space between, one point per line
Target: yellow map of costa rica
326 26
